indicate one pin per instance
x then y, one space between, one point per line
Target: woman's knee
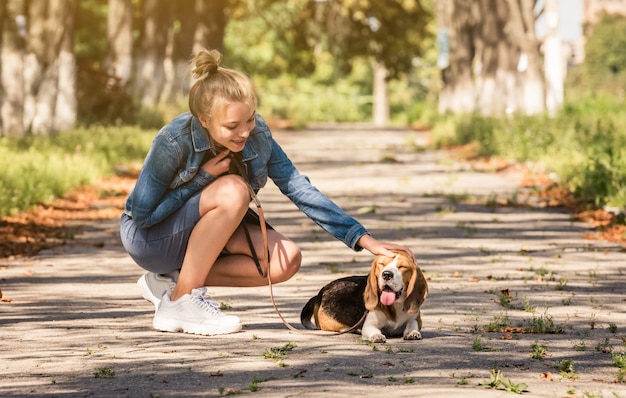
229 191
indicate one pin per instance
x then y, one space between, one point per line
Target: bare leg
222 206
239 269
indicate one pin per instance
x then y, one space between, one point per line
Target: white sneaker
153 286
196 313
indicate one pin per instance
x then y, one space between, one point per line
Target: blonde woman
183 220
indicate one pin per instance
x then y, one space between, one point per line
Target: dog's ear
416 291
370 296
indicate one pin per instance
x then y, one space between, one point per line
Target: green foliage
498 382
543 324
585 145
538 350
620 360
304 101
279 353
566 369
390 32
39 169
605 55
273 38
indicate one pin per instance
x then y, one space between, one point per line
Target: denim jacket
172 173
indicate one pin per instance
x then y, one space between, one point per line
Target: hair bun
206 64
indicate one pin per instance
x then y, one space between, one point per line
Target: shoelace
206 302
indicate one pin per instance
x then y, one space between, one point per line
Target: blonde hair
217 86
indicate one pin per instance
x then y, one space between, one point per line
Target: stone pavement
78 327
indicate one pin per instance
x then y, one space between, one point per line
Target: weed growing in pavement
620 360
580 346
498 382
566 369
477 345
279 353
612 328
538 351
104 373
527 306
561 283
605 347
498 323
543 324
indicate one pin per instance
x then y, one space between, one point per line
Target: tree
390 33
605 59
119 61
490 57
170 33
39 68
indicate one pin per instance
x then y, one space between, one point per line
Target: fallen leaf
547 376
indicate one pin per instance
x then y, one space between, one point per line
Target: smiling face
232 127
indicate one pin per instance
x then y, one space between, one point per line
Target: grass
543 324
538 351
584 145
279 353
104 373
566 369
497 381
619 360
39 169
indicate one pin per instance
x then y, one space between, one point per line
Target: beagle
392 293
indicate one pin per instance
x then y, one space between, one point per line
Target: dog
392 294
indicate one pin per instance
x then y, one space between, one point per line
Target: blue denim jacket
172 173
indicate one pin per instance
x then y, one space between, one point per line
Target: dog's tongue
387 297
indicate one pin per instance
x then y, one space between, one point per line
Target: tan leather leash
263 264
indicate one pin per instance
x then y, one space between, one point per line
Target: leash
262 264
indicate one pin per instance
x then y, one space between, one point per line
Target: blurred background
86 84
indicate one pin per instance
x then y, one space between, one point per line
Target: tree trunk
381 100
184 45
39 70
66 105
553 59
530 88
493 63
118 64
158 20
13 49
458 92
210 25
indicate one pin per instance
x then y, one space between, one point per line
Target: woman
183 220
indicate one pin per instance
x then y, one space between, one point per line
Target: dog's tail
307 316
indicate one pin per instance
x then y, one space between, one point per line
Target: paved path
77 325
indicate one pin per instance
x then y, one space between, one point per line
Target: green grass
585 145
39 169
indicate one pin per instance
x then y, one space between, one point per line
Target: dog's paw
377 338
413 335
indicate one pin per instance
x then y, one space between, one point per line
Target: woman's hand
219 164
383 248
